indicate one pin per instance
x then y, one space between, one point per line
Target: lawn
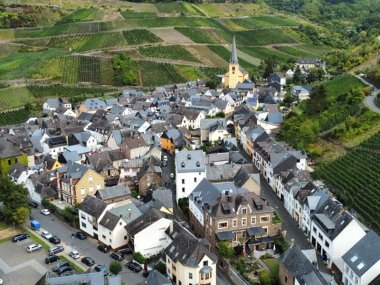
37 238
274 266
175 52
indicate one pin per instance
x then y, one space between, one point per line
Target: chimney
129 213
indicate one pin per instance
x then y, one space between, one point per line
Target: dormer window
183 164
198 164
244 211
189 156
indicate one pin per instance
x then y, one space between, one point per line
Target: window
205 263
286 279
183 189
168 260
244 221
179 283
125 237
234 223
320 236
264 219
243 234
190 275
83 191
16 160
253 220
83 216
84 224
244 211
327 244
207 276
195 179
183 181
314 229
103 236
223 225
265 230
110 240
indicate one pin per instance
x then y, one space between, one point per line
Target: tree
115 267
160 267
20 215
225 249
297 76
270 65
265 278
13 196
240 266
183 204
318 100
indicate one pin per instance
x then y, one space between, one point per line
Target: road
369 101
87 247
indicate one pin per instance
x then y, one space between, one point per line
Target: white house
333 232
362 261
193 118
189 261
19 173
147 233
190 170
301 92
85 139
54 145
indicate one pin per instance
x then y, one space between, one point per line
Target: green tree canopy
225 249
14 197
20 215
115 267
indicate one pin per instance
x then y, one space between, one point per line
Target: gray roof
204 193
222 172
296 262
233 58
82 137
190 161
93 278
275 118
156 278
66 156
364 254
93 206
128 212
17 169
144 221
164 196
109 221
73 170
113 192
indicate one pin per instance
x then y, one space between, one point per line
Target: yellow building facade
236 74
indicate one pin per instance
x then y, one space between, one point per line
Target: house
205 193
296 268
306 63
190 170
114 194
75 181
19 173
277 78
97 278
214 129
100 130
102 163
289 73
240 218
42 185
362 261
188 260
333 232
94 104
301 92
156 278
236 74
81 151
149 175
54 146
134 147
170 140
147 233
52 104
83 138
10 154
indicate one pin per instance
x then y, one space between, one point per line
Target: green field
103 40
171 22
345 179
138 15
183 8
140 36
295 51
156 74
225 54
80 15
264 22
265 37
341 84
59 90
14 97
262 53
13 117
171 52
207 36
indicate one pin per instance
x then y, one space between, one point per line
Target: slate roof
364 254
222 172
93 206
190 161
113 192
144 221
156 278
66 156
73 170
17 169
187 250
128 212
109 221
164 196
296 262
204 193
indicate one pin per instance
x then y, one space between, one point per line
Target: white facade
90 224
218 135
335 249
196 212
116 238
139 152
186 182
191 275
196 124
152 240
350 278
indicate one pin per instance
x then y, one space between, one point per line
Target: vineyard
263 22
138 37
59 90
262 53
14 97
80 15
266 36
13 117
342 84
207 36
138 15
225 54
172 52
355 179
294 51
156 74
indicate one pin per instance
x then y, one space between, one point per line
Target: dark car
124 251
80 235
20 237
32 204
51 258
88 261
55 240
102 268
135 267
64 269
117 256
59 265
103 248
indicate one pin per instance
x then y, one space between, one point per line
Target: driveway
369 101
87 247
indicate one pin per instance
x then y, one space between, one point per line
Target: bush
280 243
240 266
161 267
267 255
115 267
183 204
137 256
265 278
225 249
125 70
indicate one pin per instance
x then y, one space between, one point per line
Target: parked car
117 256
46 235
51 258
135 267
68 273
172 175
59 265
64 269
74 254
80 235
103 248
88 261
20 237
165 158
33 247
124 251
32 204
55 240
45 212
102 268
56 249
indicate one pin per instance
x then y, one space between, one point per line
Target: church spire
233 59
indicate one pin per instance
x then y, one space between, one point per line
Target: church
236 74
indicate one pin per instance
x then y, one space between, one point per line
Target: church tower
235 74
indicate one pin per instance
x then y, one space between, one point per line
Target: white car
74 254
33 247
46 235
165 158
45 212
172 175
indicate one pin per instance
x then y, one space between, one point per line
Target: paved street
87 247
369 101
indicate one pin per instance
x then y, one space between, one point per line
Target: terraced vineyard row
14 97
175 52
59 90
13 117
156 74
355 179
